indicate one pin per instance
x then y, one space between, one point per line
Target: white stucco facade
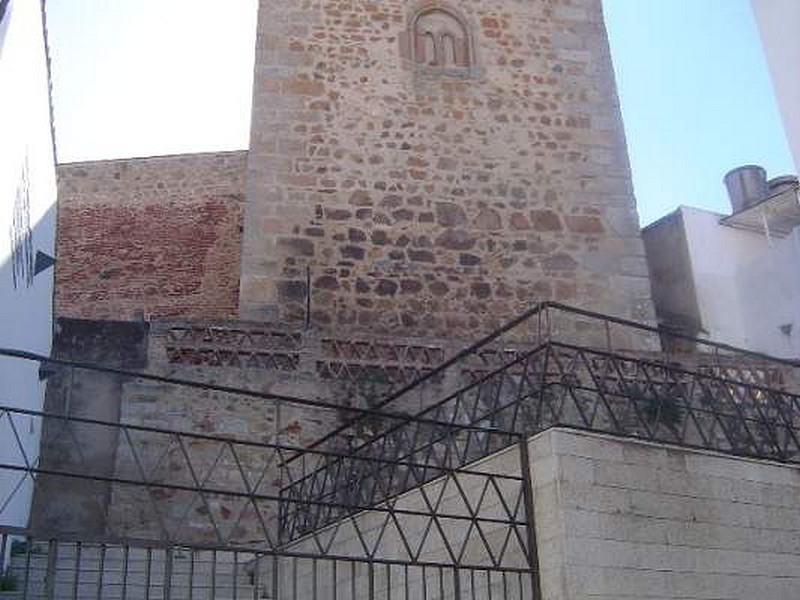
27 226
745 284
748 285
778 24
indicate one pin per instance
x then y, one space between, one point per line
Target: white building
736 278
733 278
27 231
778 22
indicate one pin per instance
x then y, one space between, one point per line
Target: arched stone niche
438 39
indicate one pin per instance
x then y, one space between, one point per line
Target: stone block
662 522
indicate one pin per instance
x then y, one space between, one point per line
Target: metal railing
185 487
531 375
188 514
552 321
394 502
66 568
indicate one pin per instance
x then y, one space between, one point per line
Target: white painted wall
770 287
778 24
715 254
26 153
747 287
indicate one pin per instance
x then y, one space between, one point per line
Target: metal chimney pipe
746 186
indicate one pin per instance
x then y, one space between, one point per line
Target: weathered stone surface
505 169
292 290
297 246
449 214
560 262
360 198
353 252
584 224
469 260
488 219
410 286
386 287
519 221
525 138
424 256
545 220
337 214
326 282
455 239
481 290
150 237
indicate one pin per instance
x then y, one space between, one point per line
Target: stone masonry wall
150 236
420 198
251 356
344 371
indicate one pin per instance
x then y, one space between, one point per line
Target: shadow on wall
58 503
26 294
26 323
3 23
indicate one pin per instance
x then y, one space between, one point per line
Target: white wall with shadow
27 226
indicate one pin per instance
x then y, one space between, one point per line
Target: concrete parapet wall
621 518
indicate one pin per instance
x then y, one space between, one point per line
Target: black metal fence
425 493
80 569
185 514
181 487
531 375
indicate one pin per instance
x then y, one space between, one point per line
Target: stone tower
436 167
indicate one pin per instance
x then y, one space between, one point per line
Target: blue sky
148 77
696 99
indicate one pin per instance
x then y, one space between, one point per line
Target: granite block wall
626 519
